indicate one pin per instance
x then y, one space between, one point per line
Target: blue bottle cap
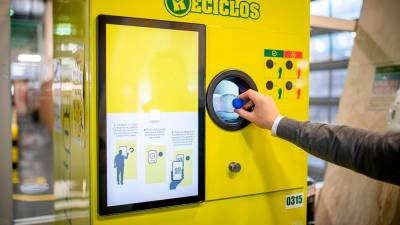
237 103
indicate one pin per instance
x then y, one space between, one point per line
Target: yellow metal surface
15 154
14 130
255 209
271 168
14 135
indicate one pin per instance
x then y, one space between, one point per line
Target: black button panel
269 85
270 64
289 65
289 85
282 73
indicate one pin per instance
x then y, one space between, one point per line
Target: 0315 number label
294 200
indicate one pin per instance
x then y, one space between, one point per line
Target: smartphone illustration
180 157
177 170
152 157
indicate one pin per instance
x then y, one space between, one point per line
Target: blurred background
330 50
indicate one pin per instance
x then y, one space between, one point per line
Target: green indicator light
280 72
279 93
273 53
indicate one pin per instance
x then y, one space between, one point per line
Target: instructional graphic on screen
125 161
149 160
156 164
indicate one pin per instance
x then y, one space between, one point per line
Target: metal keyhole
235 167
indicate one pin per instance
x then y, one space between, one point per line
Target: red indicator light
293 55
298 55
298 73
287 54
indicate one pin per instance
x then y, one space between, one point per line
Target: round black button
289 65
289 85
270 64
269 85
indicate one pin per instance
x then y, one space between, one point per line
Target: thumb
245 114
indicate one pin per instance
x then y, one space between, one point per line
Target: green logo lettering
232 8
178 8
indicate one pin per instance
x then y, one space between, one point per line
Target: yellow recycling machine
145 130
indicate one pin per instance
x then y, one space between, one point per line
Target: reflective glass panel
334 111
319 8
346 9
342 43
319 84
338 81
319 113
319 48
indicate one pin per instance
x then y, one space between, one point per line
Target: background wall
347 197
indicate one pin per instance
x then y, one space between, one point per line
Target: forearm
375 155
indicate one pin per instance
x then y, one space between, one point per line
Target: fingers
245 114
249 94
248 105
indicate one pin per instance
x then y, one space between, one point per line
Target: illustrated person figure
376 155
119 163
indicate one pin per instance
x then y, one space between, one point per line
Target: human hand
264 112
174 183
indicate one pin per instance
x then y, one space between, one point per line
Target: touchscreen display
153 124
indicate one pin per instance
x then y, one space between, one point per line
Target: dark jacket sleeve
373 154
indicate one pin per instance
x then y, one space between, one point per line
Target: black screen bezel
103 20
